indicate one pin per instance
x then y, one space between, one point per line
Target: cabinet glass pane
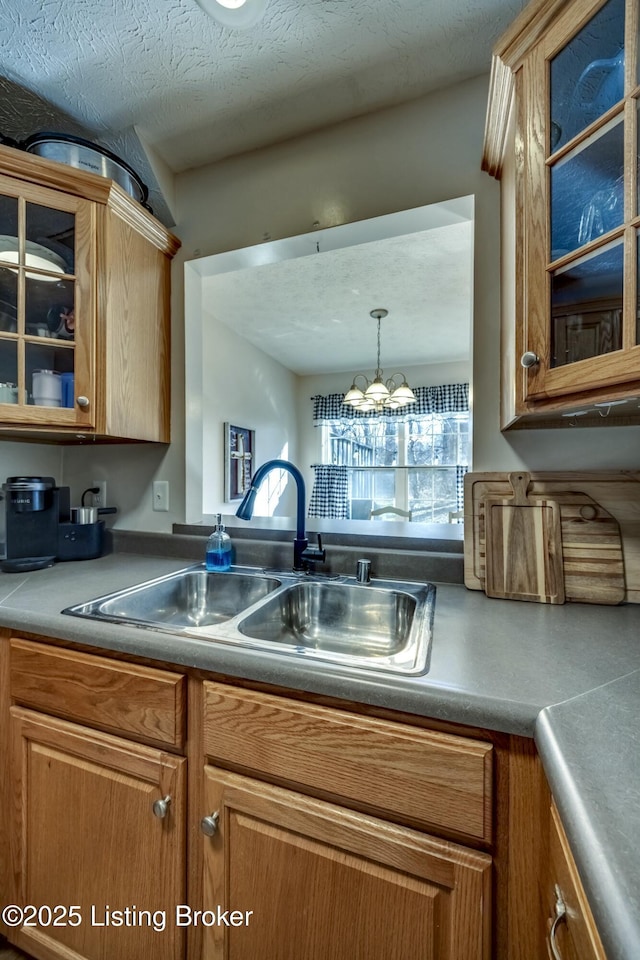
49 375
51 236
8 300
8 371
8 229
49 308
587 76
586 307
587 190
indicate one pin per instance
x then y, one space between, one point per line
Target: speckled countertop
568 675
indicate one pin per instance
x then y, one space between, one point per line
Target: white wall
244 386
30 459
423 152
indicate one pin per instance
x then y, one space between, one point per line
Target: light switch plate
161 495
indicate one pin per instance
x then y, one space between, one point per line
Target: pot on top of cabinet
84 297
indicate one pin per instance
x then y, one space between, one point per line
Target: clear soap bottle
218 555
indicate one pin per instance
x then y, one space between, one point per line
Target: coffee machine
34 509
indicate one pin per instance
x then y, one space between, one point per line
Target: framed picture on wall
239 446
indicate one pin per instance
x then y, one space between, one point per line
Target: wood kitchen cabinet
344 830
306 878
562 135
570 928
91 831
325 878
95 820
84 296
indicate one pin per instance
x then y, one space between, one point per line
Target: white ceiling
197 91
311 313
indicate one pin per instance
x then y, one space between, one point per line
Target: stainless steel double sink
384 625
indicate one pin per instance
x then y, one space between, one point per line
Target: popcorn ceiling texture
198 92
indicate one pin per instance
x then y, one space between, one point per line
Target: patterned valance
448 398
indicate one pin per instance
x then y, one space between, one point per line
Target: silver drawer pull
560 917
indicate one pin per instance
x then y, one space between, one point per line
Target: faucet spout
302 553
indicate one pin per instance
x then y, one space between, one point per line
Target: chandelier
378 393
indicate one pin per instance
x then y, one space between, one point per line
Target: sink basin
188 598
383 626
342 618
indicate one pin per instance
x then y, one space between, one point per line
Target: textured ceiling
312 313
198 91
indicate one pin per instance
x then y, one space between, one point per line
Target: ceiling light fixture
236 14
379 393
35 255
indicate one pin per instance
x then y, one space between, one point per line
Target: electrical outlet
100 499
161 495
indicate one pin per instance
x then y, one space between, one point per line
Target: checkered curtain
448 398
461 469
330 494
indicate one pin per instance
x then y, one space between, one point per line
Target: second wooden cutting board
523 546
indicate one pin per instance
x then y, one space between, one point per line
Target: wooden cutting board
523 544
592 557
600 523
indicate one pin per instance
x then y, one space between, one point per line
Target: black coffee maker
34 509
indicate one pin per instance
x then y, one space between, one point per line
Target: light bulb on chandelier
379 393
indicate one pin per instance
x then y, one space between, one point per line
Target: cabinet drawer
136 701
420 776
576 936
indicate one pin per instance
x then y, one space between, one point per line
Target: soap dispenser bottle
218 548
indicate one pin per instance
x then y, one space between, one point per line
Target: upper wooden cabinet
84 307
562 135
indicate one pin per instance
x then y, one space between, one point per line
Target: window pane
587 76
47 370
9 229
586 307
53 233
432 494
49 308
8 371
587 191
8 300
439 438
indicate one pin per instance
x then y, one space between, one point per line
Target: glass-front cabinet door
46 307
581 197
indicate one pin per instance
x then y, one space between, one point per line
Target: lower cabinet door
290 877
98 870
572 935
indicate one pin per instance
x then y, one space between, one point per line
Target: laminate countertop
568 675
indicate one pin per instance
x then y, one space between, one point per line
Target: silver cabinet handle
560 917
209 825
83 402
529 359
161 807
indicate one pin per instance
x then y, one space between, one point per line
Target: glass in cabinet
45 307
568 158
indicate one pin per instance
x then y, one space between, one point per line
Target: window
413 460
411 464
